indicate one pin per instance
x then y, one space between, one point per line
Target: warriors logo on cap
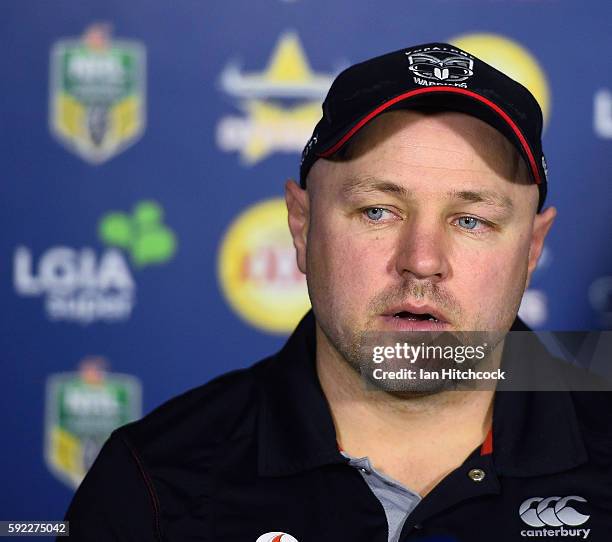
441 66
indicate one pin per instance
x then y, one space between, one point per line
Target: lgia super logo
82 409
89 284
97 94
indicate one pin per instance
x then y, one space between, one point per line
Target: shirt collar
534 433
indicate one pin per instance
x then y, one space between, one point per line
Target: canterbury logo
552 511
276 537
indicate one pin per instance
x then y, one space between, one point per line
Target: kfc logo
276 537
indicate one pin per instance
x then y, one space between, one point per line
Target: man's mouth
416 313
411 316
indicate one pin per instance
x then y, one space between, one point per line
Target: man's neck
416 440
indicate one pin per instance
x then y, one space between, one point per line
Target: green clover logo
143 234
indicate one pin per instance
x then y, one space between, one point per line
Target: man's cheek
494 286
357 269
347 266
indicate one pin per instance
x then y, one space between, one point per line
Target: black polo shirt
254 452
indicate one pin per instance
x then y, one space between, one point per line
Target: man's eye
375 213
469 222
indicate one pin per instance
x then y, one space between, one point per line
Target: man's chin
416 395
408 389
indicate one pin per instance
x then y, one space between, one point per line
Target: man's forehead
452 131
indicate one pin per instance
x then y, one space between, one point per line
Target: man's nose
423 250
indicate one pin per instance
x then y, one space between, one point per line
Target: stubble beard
354 345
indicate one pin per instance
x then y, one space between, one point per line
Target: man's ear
541 225
298 209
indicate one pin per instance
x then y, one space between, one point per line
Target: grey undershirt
397 500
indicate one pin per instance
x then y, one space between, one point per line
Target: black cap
432 75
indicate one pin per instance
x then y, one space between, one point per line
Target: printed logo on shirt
82 409
554 517
276 537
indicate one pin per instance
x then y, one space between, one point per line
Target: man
420 208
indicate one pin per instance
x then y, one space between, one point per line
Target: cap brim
451 99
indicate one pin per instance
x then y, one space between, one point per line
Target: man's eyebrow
482 196
367 185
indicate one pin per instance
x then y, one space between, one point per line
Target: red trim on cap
487 445
427 90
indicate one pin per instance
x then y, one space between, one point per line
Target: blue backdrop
144 147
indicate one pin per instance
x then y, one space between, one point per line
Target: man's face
426 219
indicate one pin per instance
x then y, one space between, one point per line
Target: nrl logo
97 94
82 409
441 66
